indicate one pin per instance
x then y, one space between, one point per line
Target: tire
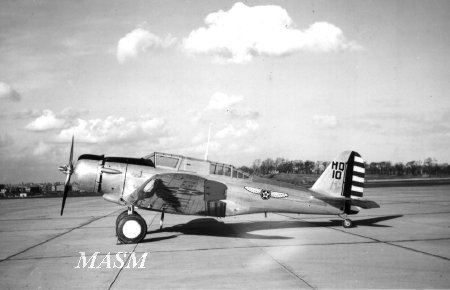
347 223
131 229
120 216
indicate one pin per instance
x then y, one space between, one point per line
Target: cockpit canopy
183 163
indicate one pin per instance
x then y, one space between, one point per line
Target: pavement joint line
134 248
290 271
38 230
56 236
383 242
43 218
417 240
120 270
395 245
286 268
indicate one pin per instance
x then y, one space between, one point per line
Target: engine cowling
86 172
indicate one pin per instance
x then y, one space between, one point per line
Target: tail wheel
347 223
131 229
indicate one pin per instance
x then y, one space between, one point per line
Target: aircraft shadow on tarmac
216 228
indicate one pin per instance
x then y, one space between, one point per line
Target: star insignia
266 194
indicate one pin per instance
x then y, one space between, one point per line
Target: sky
293 79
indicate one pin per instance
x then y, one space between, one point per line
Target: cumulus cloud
325 121
8 93
140 41
114 130
46 122
239 34
234 125
242 130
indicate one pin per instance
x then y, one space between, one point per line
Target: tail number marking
337 168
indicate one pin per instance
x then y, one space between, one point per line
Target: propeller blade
67 169
71 154
66 190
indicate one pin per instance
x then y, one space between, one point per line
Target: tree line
427 167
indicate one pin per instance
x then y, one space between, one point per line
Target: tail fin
344 176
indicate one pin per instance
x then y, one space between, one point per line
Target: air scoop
110 171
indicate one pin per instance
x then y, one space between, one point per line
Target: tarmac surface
403 244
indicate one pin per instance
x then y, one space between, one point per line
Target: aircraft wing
182 193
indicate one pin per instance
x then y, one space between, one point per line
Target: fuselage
192 186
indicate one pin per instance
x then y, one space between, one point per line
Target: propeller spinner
68 170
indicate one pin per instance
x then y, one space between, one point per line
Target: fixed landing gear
346 223
161 221
121 215
130 227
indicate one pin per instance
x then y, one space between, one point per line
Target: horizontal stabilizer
365 203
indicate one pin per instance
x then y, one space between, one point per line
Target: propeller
68 170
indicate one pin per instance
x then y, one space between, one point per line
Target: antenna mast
207 145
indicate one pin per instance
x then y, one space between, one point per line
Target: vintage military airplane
176 184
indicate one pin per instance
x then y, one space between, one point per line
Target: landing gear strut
130 226
161 221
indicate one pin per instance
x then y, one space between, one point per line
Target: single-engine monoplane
176 184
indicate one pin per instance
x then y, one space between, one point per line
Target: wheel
347 223
131 229
121 215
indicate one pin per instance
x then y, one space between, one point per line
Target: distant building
17 189
34 189
46 187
